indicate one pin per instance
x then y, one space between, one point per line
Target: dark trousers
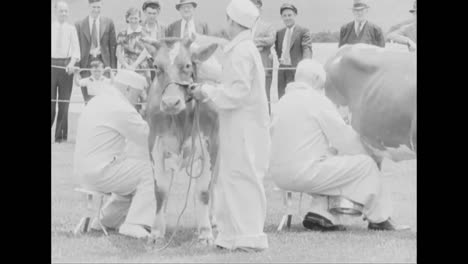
62 84
268 78
284 77
85 74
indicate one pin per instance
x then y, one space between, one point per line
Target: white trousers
133 200
354 177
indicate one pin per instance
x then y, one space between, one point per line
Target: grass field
296 245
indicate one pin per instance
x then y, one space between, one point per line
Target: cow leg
163 178
202 193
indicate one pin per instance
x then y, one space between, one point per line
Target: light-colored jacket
244 139
104 127
305 126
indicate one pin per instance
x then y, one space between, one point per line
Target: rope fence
149 69
139 70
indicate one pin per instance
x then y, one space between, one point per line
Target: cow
378 86
181 126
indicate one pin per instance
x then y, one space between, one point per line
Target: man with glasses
360 30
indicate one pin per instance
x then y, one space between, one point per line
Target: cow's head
176 66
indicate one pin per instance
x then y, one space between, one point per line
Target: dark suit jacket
301 44
174 29
370 34
107 41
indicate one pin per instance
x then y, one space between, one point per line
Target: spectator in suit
186 26
97 40
65 53
405 34
293 43
264 38
360 30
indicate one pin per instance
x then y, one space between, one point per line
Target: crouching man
111 157
315 152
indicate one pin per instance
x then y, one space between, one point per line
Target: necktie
286 55
58 40
358 28
94 38
186 30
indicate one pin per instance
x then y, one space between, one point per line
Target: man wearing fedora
361 30
264 38
241 103
111 157
405 33
293 43
186 26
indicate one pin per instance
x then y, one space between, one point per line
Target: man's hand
76 70
70 69
108 69
197 93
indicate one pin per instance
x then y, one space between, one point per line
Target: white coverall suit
305 125
111 156
240 204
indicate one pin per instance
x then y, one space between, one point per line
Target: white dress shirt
191 27
96 87
284 52
97 51
69 46
356 23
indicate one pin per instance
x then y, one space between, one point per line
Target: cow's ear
169 42
204 53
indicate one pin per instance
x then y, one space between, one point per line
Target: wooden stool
287 201
84 223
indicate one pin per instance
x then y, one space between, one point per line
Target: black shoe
317 222
388 225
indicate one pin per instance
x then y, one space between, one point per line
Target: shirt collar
91 20
244 35
362 25
130 31
292 28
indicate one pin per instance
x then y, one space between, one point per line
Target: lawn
295 245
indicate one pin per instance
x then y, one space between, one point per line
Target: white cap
243 12
131 78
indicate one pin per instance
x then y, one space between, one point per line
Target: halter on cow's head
176 71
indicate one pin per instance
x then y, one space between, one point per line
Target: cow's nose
171 102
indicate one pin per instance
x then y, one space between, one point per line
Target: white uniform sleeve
232 94
132 126
340 135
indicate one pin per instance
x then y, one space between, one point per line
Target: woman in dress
131 53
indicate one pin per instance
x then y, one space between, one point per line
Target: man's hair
96 64
94 1
152 5
311 72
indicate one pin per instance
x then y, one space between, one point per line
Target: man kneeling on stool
314 151
111 156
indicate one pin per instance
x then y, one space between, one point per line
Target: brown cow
379 87
171 117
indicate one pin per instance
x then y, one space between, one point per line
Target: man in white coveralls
111 156
242 105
